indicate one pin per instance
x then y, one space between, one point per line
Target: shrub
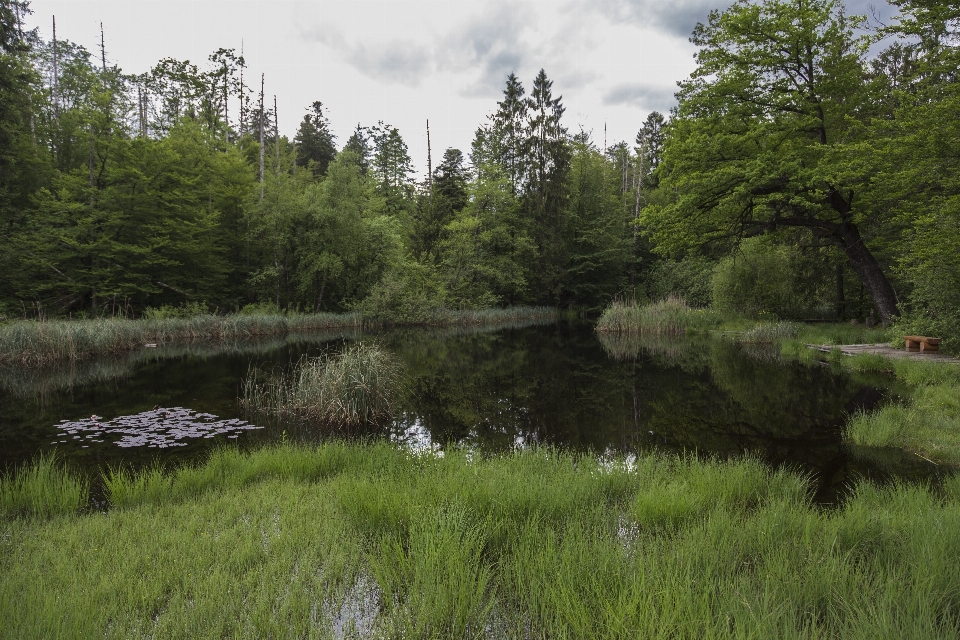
690 279
757 279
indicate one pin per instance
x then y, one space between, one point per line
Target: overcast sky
404 61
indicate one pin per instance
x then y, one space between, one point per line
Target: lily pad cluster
158 428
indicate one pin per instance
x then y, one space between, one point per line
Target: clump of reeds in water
349 391
671 316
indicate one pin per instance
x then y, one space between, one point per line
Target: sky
404 62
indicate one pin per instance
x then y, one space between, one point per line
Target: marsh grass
442 317
42 489
770 333
927 424
40 342
671 316
352 390
288 541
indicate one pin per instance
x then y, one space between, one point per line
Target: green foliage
186 310
757 280
485 251
409 293
690 278
345 240
765 136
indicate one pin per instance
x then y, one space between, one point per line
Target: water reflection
495 390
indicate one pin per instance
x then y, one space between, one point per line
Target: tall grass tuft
43 489
671 316
352 390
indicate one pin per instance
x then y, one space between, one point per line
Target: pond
559 385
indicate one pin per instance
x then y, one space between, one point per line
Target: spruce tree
315 142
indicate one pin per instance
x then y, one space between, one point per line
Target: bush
756 281
690 279
406 295
185 310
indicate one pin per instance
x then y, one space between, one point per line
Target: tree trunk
840 300
847 236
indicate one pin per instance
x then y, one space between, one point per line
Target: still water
559 385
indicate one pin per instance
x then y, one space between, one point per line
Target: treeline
125 192
811 171
798 177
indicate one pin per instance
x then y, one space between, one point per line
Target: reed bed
347 540
489 317
41 342
671 316
348 391
35 343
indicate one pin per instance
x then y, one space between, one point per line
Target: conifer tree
315 142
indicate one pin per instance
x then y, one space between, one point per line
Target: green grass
43 489
352 390
671 316
377 542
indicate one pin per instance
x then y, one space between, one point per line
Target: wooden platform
884 350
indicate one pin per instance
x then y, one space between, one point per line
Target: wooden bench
923 344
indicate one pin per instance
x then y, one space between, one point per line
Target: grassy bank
926 421
369 541
40 342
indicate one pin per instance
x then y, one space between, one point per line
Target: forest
808 171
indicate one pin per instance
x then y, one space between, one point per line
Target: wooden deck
884 350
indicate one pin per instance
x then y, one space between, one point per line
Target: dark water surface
559 385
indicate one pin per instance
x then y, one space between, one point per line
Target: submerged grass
671 316
369 541
351 390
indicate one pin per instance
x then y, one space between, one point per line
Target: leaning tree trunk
848 238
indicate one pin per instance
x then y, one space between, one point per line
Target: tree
315 142
392 166
765 135
916 158
485 252
345 240
600 247
548 164
650 140
446 197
